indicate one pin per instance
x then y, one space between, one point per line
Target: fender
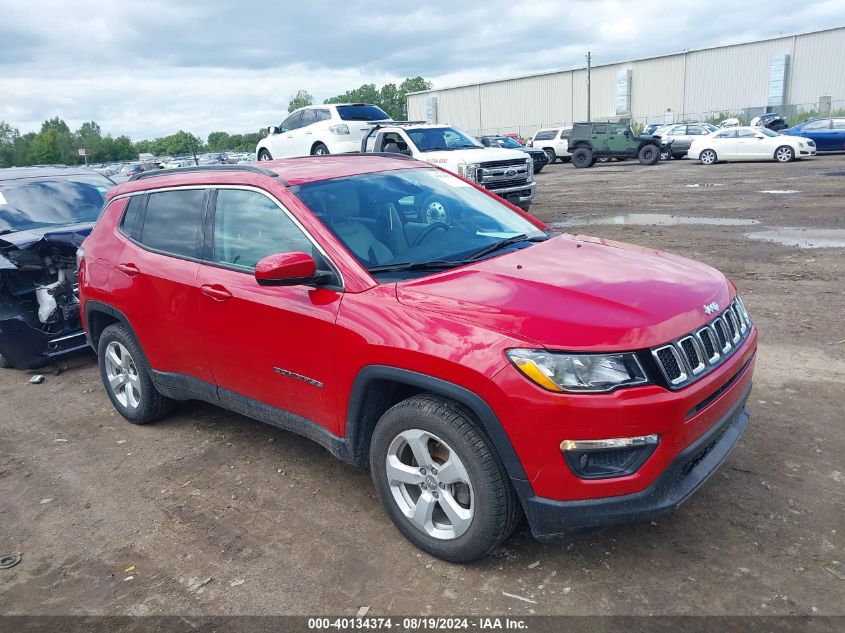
357 436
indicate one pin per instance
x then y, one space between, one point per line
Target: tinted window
33 205
292 122
545 135
249 226
323 115
128 223
308 117
600 128
361 112
173 221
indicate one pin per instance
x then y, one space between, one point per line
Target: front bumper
523 194
27 347
550 519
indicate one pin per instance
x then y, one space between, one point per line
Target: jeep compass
482 366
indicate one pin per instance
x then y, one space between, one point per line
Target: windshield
362 112
438 139
45 203
418 217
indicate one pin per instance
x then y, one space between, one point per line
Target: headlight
557 371
469 171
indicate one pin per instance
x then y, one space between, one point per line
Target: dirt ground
208 512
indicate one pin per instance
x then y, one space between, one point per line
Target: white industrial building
793 74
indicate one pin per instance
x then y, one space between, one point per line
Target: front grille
501 174
694 355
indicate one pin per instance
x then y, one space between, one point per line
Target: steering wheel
431 228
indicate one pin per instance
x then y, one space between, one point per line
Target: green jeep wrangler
590 142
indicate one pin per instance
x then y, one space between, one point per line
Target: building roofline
627 61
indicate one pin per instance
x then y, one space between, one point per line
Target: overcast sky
147 69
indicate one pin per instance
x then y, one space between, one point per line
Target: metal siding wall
416 106
816 67
732 77
715 80
657 84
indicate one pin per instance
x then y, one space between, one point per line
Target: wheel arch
378 387
315 144
579 144
98 316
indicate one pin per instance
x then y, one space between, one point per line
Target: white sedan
749 143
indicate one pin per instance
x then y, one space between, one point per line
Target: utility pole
589 65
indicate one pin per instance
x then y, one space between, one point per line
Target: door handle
129 269
216 292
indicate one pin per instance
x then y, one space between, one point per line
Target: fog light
607 458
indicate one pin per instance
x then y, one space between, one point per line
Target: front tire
648 155
550 153
264 155
126 377
784 154
439 480
708 157
5 363
583 157
319 149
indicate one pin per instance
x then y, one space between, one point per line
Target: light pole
589 65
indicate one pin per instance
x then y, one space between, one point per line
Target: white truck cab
507 173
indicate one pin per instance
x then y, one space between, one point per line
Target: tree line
55 143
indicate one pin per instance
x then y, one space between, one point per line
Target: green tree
122 149
9 136
89 136
300 99
219 141
46 148
390 98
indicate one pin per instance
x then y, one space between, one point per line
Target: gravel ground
208 512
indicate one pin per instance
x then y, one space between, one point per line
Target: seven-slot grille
695 354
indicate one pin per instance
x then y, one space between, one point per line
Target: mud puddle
652 219
802 238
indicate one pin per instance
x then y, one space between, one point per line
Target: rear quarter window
545 135
129 224
361 113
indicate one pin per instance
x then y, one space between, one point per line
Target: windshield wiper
7 231
495 246
439 264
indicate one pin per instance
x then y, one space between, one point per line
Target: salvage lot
220 514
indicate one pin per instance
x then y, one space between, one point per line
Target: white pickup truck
507 173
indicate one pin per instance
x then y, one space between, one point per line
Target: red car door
271 344
155 277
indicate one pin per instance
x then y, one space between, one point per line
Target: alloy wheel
122 375
784 154
430 484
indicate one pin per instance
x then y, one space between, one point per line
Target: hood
69 234
480 155
577 293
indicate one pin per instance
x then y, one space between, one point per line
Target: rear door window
173 222
600 128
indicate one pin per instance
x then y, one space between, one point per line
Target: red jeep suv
482 365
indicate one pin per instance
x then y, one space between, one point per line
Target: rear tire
319 149
126 377
583 157
784 154
648 155
463 511
264 155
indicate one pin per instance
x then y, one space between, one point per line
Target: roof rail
202 168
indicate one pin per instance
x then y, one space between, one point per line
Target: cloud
150 68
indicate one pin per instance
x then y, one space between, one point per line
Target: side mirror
286 269
272 130
626 133
407 152
761 137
